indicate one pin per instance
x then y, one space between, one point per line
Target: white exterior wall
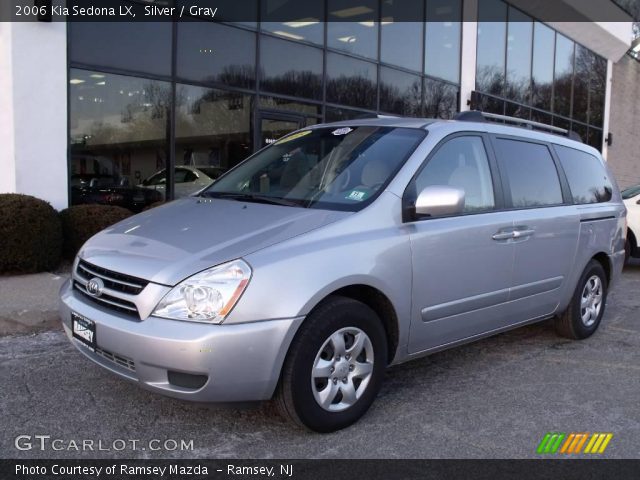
33 113
468 52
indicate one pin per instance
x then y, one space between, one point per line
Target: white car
631 198
188 180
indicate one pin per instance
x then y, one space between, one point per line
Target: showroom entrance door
274 125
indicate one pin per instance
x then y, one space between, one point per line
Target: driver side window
461 163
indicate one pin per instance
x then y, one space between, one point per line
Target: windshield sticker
292 137
357 195
342 131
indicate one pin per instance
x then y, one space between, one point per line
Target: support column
468 52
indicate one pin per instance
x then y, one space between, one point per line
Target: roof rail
478 116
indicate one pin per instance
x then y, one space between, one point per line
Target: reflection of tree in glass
237 75
490 79
143 118
294 82
355 90
401 101
441 99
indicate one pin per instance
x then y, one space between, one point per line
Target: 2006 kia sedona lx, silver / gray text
341 249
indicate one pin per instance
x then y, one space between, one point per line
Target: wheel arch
605 261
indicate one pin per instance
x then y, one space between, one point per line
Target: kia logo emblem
95 286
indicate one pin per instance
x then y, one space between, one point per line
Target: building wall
624 153
33 117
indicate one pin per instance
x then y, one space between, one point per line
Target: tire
627 251
577 322
316 348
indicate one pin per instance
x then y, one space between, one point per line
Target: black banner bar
297 11
583 469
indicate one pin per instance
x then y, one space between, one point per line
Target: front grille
118 287
117 359
105 300
112 280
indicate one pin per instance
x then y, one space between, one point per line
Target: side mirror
638 202
438 200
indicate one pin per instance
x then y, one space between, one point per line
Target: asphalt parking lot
492 399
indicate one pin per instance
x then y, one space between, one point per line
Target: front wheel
335 366
583 316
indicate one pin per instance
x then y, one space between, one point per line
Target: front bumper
241 362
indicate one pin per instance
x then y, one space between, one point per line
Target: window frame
409 195
567 199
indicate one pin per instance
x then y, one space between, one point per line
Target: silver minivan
342 249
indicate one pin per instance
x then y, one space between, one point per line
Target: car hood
170 243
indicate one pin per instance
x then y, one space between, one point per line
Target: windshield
337 168
631 192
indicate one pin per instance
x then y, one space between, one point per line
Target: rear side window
587 176
531 173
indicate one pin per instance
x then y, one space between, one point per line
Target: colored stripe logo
573 443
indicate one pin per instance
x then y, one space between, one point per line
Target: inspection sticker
357 195
342 131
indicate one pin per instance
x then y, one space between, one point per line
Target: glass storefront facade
527 70
156 109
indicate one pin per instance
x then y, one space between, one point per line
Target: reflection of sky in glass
520 32
210 51
442 41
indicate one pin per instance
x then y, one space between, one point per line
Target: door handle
503 236
523 233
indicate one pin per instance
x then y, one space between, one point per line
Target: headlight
208 296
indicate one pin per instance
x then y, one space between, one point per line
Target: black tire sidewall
321 325
581 330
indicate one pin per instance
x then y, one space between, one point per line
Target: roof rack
478 116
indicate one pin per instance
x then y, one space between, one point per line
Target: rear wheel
586 309
627 251
335 366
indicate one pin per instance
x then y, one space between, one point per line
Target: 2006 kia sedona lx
340 249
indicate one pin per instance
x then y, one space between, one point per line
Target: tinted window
563 76
212 52
531 173
355 29
442 40
491 47
290 68
461 163
542 74
631 192
400 92
587 176
212 127
309 27
441 99
597 89
581 83
519 42
351 82
118 132
139 46
397 33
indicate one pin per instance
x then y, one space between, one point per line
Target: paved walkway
29 303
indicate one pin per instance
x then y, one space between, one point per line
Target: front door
462 267
274 125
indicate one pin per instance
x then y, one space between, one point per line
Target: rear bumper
241 362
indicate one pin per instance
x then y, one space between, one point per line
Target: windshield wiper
250 197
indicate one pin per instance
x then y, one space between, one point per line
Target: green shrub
81 222
30 234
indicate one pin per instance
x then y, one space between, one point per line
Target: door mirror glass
439 200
